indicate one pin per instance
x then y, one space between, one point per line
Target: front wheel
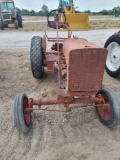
6 26
16 24
22 120
1 25
113 58
108 115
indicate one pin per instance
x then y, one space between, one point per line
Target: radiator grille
86 69
6 16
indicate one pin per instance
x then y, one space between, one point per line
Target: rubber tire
19 121
36 57
19 18
114 101
1 25
6 26
16 24
113 38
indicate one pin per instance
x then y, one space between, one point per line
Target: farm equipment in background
9 15
113 58
76 21
80 73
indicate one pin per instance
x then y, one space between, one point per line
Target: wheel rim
27 116
113 58
105 112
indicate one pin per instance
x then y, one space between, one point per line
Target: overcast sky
93 5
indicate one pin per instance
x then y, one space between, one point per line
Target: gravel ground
20 41
54 136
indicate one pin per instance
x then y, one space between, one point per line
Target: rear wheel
108 115
22 120
36 57
113 58
19 18
1 25
16 24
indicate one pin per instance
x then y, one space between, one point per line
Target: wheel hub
113 59
105 111
27 116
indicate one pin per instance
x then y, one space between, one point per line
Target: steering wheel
56 13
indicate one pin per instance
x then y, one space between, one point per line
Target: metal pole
58 55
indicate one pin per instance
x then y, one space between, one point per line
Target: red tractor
80 66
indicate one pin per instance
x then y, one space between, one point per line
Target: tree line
115 11
45 10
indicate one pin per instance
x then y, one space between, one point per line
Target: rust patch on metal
44 43
86 63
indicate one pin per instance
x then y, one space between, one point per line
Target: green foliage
116 15
18 9
115 11
45 10
87 11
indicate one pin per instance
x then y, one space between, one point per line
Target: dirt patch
97 24
104 24
77 135
36 23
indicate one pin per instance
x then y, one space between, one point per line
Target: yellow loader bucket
77 21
